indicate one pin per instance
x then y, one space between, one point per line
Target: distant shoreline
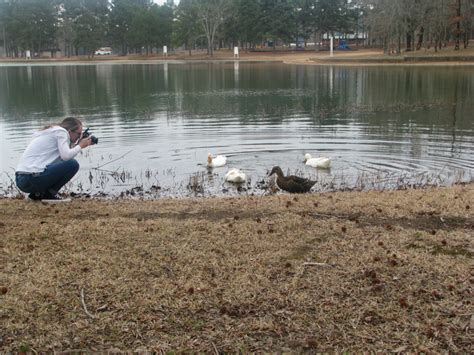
447 57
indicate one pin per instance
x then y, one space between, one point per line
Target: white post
236 52
28 54
165 51
332 46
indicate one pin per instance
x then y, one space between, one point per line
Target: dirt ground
369 271
357 56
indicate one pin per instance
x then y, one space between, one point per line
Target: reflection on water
157 122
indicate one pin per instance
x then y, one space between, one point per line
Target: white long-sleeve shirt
48 146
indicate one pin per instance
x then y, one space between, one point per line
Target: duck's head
307 157
276 170
209 158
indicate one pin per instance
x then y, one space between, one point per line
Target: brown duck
292 183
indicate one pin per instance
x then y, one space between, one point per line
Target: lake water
156 122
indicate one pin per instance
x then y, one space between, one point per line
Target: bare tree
401 21
387 20
211 14
457 20
437 22
468 12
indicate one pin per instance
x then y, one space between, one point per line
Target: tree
29 25
138 24
305 18
211 14
186 28
468 11
161 25
278 20
89 23
120 19
457 20
66 31
230 26
248 14
4 15
433 20
137 36
437 22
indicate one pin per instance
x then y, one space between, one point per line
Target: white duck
323 163
236 176
215 162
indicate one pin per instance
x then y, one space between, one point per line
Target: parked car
103 51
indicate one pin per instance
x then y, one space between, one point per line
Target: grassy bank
346 271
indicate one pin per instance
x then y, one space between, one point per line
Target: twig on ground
314 215
215 348
317 264
100 166
302 269
106 171
84 305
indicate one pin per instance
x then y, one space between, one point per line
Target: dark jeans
50 181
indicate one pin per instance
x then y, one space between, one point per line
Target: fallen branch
100 166
215 348
308 263
323 215
84 305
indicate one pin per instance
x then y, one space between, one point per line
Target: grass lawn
345 271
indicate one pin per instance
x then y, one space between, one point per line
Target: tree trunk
409 37
210 45
458 25
420 39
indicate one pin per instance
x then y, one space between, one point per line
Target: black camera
86 134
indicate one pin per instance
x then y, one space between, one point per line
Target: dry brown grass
395 273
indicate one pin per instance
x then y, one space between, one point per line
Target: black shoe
35 196
54 199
